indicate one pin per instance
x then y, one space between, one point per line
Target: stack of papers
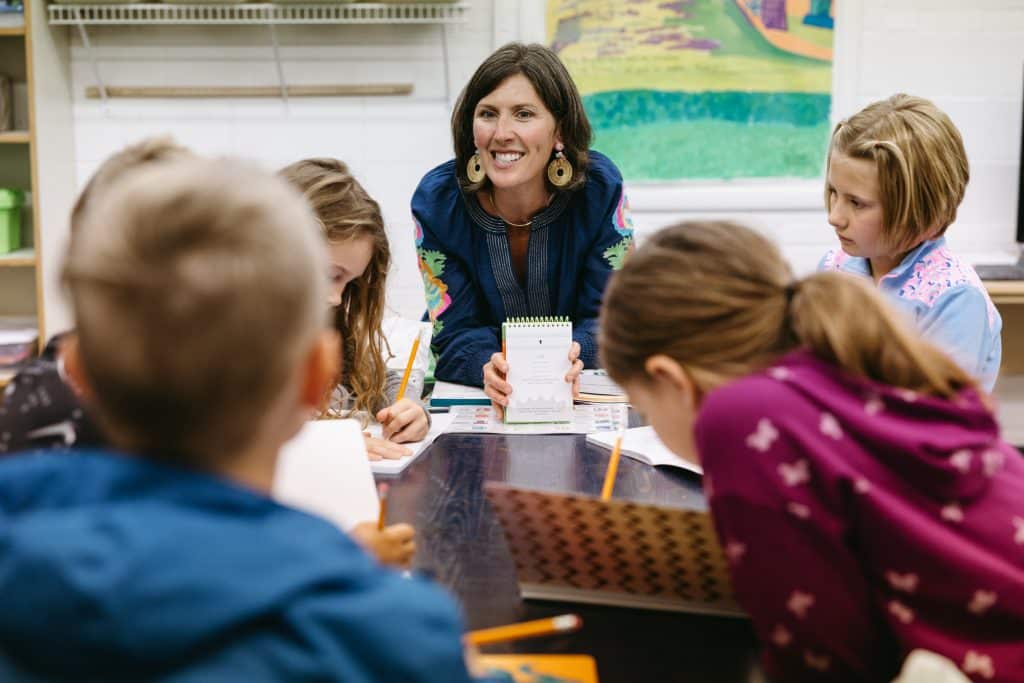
19 341
447 394
597 387
585 419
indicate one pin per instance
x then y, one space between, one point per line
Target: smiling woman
525 221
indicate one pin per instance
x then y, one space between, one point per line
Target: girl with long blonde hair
855 474
359 260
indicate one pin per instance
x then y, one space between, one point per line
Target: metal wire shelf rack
262 13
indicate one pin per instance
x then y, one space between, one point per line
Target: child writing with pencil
855 474
163 556
896 173
359 260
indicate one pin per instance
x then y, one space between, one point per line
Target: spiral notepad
537 351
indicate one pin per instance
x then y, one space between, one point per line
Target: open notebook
641 443
323 470
578 548
392 468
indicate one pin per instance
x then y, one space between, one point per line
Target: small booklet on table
641 443
448 394
537 351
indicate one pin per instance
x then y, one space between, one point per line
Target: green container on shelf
10 219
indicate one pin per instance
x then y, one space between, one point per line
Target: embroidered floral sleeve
622 222
431 264
461 341
612 245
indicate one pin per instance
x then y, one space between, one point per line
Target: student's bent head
703 303
359 258
920 162
198 290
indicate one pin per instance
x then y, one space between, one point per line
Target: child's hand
477 669
495 385
577 367
382 449
393 545
404 421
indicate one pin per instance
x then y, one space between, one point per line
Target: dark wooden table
460 543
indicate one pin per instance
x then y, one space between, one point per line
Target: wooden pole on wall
354 90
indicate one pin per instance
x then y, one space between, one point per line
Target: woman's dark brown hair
554 87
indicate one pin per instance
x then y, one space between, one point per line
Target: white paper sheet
324 471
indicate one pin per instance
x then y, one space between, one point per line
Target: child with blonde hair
360 256
164 557
896 173
855 474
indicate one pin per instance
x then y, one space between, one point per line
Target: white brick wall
966 56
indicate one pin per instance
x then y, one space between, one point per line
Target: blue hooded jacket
120 568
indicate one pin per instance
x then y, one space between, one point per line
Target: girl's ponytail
719 299
842 319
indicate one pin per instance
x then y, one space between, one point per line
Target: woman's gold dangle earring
475 169
559 169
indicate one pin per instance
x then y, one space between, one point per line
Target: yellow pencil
526 629
382 491
408 369
613 467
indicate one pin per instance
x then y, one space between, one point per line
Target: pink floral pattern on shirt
834 260
936 273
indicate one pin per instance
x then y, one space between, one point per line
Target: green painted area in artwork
630 107
715 149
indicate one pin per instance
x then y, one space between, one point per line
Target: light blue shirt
945 299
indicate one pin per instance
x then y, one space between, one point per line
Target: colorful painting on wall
710 89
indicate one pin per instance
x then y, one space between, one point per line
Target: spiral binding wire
538 321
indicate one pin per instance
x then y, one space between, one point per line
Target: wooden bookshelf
1005 291
15 137
20 258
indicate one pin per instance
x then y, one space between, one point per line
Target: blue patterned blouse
471 286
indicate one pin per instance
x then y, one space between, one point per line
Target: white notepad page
537 351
